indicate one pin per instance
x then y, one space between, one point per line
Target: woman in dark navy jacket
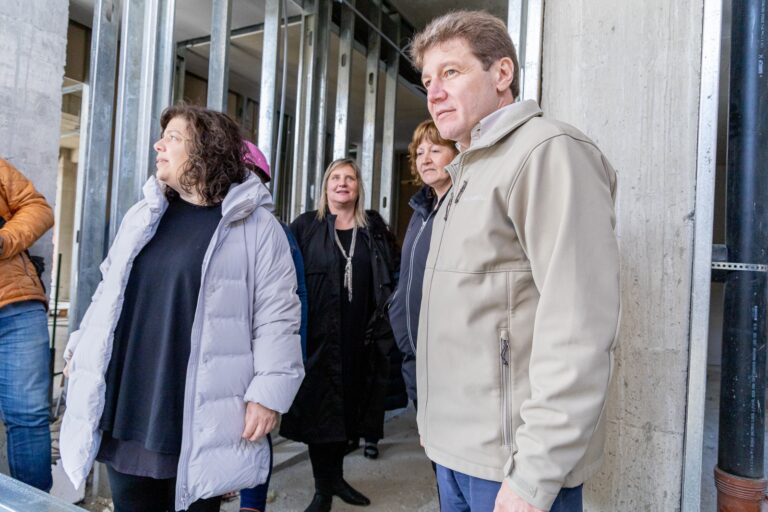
428 153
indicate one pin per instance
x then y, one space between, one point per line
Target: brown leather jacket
28 216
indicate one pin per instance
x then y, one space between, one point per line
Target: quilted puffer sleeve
277 361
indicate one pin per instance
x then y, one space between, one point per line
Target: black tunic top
354 320
145 381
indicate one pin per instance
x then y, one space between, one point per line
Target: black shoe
371 451
320 503
349 494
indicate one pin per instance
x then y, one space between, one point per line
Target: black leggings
327 460
143 494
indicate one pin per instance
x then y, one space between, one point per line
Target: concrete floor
400 479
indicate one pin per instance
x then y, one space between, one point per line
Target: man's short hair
485 34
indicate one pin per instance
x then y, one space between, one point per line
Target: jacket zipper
506 409
410 280
189 397
448 208
461 191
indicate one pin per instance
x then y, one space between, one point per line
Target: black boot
320 503
371 450
339 487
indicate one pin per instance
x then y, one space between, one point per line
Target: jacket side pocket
506 391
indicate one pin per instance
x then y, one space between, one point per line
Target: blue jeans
24 402
464 493
256 497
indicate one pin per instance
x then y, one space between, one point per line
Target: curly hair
425 131
215 150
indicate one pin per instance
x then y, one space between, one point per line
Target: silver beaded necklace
348 266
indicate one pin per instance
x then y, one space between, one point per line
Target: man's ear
505 73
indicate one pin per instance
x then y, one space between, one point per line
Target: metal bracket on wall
744 267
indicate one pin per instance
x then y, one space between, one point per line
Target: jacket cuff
275 393
535 496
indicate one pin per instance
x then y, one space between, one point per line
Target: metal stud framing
144 89
371 96
268 98
94 176
323 44
525 22
386 188
304 102
706 164
218 65
343 76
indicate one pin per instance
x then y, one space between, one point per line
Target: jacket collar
423 201
494 127
502 122
241 200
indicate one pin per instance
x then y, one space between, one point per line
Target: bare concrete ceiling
193 18
420 12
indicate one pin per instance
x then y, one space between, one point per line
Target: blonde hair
361 218
426 131
485 34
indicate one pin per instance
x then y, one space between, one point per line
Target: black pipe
743 380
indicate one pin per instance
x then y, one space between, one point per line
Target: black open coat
317 413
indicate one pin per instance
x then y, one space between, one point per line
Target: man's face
459 91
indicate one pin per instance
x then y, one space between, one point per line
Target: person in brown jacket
24 356
520 303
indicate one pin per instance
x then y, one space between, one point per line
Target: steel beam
180 74
277 170
706 166
218 64
304 103
164 67
144 89
248 30
525 22
321 115
267 128
95 162
126 178
343 76
371 96
386 188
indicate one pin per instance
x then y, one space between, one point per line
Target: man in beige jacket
521 288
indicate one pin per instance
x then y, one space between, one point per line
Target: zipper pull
461 190
448 207
504 350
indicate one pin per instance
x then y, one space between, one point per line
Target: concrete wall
627 74
32 50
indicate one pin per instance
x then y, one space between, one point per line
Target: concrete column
637 96
33 44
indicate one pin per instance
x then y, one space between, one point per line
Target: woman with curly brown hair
190 347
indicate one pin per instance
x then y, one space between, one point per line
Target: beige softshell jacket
520 308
